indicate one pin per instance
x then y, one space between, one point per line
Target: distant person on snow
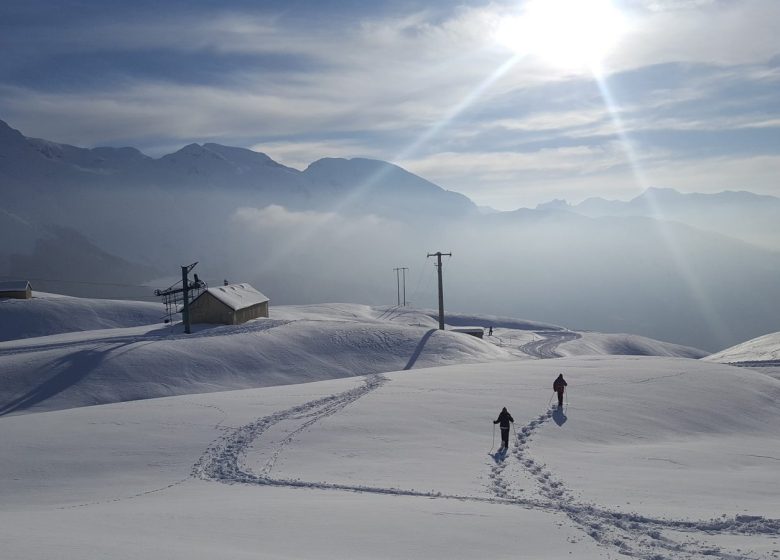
503 420
559 386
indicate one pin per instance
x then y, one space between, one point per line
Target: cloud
419 86
275 217
509 180
713 32
295 232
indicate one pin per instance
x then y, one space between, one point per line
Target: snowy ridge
761 350
112 365
48 314
297 344
590 343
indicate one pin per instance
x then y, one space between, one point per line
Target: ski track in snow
628 534
546 347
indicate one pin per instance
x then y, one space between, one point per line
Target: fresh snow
590 343
761 354
762 349
296 344
47 314
237 296
653 457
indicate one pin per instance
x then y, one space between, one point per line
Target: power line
424 274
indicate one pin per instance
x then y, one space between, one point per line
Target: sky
511 103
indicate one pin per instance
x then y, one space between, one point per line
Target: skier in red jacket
559 386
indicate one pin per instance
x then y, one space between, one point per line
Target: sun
568 34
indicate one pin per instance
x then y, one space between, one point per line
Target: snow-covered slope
590 343
762 349
761 354
653 458
48 314
297 344
95 367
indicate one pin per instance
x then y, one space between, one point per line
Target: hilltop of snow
761 354
590 343
297 344
48 314
762 349
294 346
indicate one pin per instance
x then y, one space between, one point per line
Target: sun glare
569 34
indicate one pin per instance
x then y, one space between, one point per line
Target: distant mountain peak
660 193
194 149
556 204
9 134
354 164
244 156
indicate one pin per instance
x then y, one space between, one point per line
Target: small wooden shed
16 289
228 305
479 332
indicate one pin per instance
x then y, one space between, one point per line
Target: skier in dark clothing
503 420
559 386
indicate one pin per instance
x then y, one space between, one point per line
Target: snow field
113 365
298 344
397 465
47 314
764 349
653 457
116 483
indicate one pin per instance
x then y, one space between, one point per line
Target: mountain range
374 186
693 269
741 214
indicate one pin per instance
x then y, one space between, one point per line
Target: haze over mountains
698 270
743 215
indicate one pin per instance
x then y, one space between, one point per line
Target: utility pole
403 272
398 283
397 287
438 256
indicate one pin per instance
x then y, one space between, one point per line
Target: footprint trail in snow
631 535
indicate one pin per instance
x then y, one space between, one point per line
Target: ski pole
494 438
551 398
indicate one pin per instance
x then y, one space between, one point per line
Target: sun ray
714 322
306 233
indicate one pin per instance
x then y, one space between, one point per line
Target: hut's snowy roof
14 286
237 296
